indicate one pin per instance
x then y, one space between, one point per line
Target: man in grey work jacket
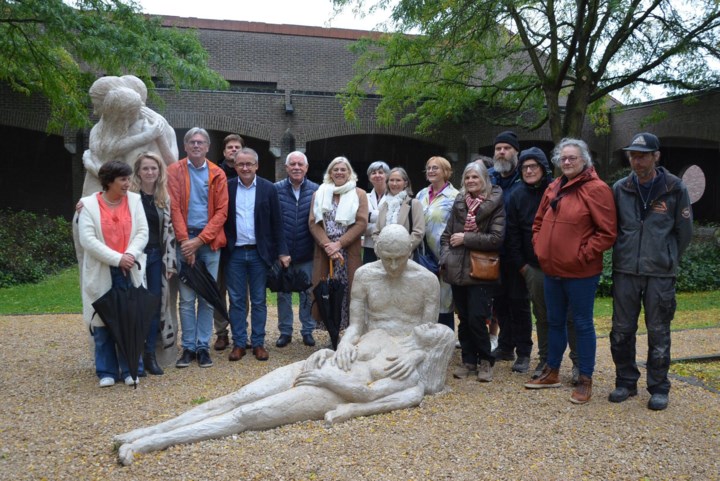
654 228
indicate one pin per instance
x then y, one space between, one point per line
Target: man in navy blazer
255 240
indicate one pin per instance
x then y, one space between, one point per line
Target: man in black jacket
654 229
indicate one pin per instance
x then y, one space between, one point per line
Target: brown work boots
548 378
583 390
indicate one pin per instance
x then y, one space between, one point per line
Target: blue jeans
246 272
579 296
153 277
197 325
284 305
108 359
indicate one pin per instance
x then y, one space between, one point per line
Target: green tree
58 49
530 62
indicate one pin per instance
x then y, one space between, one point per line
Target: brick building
283 85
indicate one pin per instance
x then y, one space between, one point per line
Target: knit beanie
508 137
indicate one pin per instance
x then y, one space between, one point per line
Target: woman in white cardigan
113 233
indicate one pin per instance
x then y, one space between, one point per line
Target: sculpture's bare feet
129 436
126 455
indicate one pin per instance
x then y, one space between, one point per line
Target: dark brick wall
309 66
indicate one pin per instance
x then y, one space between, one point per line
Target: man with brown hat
654 228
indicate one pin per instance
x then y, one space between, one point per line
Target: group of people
550 235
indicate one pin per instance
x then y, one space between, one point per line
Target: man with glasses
198 192
295 194
511 303
654 229
520 255
255 240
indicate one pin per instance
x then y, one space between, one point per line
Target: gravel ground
55 422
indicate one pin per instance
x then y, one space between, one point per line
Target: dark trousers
512 309
657 297
474 307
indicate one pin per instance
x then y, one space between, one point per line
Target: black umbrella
199 279
329 295
127 313
282 279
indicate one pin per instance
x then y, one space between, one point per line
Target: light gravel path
55 423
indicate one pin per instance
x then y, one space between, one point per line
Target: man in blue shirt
255 240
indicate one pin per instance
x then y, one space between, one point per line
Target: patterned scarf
393 206
472 204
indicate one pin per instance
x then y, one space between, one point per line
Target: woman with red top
437 201
574 225
113 233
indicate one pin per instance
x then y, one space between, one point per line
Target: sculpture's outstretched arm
354 389
399 400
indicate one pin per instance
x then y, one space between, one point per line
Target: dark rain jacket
651 241
455 261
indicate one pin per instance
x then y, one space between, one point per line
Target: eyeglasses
432 168
197 142
568 158
244 165
530 167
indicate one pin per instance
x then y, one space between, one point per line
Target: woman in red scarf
477 222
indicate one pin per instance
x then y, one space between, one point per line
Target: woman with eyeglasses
377 172
437 201
575 223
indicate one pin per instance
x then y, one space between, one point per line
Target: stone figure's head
437 341
393 249
123 104
137 85
100 89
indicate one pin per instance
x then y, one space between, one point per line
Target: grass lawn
57 294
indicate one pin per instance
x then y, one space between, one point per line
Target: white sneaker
130 381
107 382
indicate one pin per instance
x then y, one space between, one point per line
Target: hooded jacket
521 209
490 216
575 223
651 243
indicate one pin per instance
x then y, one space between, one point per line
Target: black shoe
203 357
186 358
621 393
522 364
658 402
308 340
283 340
151 365
501 355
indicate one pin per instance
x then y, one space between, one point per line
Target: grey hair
480 169
195 131
247 151
296 153
378 165
579 144
337 160
403 173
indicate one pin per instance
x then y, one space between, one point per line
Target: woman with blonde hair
338 219
150 181
437 201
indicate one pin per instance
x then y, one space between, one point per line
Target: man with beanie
511 303
654 229
520 255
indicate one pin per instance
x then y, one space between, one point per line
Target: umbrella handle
332 263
